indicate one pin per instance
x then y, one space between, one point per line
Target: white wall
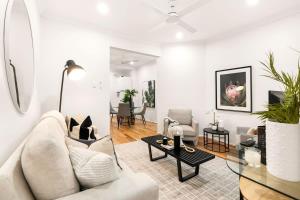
89 96
140 76
248 49
180 78
186 73
14 125
89 48
118 84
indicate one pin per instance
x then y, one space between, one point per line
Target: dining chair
112 112
123 113
142 113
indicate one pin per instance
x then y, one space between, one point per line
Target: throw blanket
172 122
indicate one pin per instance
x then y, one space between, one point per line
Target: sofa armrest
195 126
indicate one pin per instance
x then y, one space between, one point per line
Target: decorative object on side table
74 72
282 126
234 89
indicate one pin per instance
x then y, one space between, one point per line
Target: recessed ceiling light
252 2
103 8
131 62
179 35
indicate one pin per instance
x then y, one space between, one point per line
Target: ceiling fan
174 16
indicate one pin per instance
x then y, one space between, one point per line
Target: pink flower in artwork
232 93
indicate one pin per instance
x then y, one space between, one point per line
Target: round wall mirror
19 54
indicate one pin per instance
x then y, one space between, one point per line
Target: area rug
214 182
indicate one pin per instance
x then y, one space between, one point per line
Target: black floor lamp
74 72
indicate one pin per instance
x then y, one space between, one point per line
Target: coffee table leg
157 158
185 178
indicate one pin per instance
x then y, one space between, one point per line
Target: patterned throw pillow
92 168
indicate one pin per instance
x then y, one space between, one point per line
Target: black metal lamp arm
62 87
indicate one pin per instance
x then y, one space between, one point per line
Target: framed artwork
149 93
234 89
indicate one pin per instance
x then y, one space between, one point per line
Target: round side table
224 135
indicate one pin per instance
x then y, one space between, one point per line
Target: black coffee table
192 159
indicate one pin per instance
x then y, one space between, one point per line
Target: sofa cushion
92 168
46 163
128 187
188 130
183 116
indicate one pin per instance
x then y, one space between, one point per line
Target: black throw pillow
87 122
73 123
92 135
84 133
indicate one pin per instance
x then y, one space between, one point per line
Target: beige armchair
185 119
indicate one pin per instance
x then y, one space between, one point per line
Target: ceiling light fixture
103 8
131 62
252 2
179 35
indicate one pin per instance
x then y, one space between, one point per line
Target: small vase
283 150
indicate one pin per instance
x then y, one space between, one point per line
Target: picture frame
233 89
148 93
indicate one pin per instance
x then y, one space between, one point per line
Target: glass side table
262 177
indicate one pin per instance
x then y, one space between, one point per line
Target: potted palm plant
282 125
128 94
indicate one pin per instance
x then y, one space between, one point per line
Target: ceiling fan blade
186 26
197 4
157 27
154 7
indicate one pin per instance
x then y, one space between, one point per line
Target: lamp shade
74 71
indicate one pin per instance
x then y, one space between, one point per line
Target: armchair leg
144 121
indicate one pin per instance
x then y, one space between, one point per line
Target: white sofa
129 186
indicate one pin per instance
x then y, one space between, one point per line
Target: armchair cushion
188 130
183 116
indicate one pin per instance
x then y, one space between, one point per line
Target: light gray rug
214 182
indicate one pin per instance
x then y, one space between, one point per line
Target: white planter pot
283 150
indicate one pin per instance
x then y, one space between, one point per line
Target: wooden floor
127 134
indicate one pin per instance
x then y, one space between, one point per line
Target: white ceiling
135 18
120 61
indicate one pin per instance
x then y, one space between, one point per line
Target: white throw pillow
92 168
